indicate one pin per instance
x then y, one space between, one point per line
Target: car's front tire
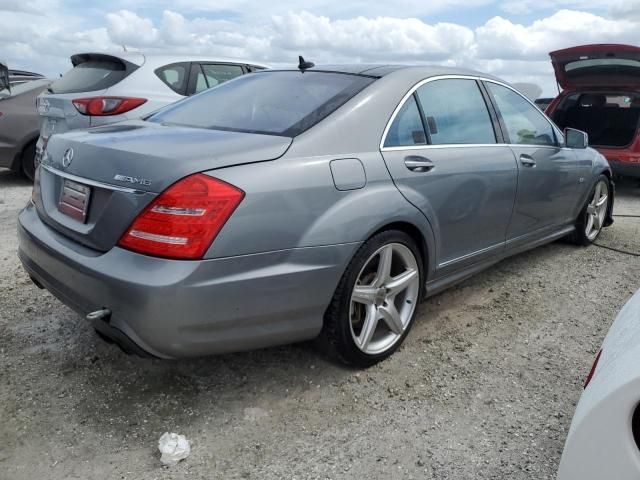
376 301
594 213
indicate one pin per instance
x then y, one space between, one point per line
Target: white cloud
379 39
334 8
127 28
525 7
625 9
37 7
514 51
500 38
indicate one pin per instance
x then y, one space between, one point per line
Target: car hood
604 65
151 156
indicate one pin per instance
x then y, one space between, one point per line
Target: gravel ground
484 387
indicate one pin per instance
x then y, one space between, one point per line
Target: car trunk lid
113 172
592 66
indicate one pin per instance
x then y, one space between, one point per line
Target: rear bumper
627 169
171 309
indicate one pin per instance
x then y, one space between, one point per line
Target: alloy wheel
597 210
384 298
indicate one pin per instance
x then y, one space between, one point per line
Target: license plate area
74 200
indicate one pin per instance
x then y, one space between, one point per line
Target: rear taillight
103 106
183 221
593 369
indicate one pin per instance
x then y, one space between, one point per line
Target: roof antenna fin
303 65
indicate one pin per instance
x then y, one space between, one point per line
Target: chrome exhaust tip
104 314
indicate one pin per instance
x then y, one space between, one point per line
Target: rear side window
200 79
218 73
92 75
272 102
407 128
456 113
175 76
525 124
211 75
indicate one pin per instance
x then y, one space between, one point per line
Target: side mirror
576 138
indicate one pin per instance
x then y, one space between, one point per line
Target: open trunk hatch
92 184
606 65
609 118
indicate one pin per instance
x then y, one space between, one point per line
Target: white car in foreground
104 88
604 438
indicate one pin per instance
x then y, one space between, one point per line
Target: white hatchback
107 88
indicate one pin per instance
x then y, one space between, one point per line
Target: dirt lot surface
484 387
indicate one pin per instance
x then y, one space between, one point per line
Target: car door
547 172
445 154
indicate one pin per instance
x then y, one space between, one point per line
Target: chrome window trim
463 145
86 181
446 145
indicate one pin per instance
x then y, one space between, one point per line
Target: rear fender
294 203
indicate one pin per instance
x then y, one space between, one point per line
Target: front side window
407 128
271 102
455 112
525 124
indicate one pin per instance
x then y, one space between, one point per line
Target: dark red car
601 96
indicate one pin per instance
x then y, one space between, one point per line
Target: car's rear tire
594 213
375 303
28 161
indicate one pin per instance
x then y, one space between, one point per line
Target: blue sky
508 38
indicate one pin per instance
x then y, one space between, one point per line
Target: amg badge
134 180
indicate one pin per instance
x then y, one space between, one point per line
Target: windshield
274 103
23 87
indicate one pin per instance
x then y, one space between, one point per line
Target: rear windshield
612 71
272 102
90 76
602 62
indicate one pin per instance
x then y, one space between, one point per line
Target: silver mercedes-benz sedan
311 202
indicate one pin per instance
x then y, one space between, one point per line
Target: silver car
291 204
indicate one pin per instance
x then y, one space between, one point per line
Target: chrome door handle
527 160
416 163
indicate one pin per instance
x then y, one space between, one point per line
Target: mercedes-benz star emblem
67 157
